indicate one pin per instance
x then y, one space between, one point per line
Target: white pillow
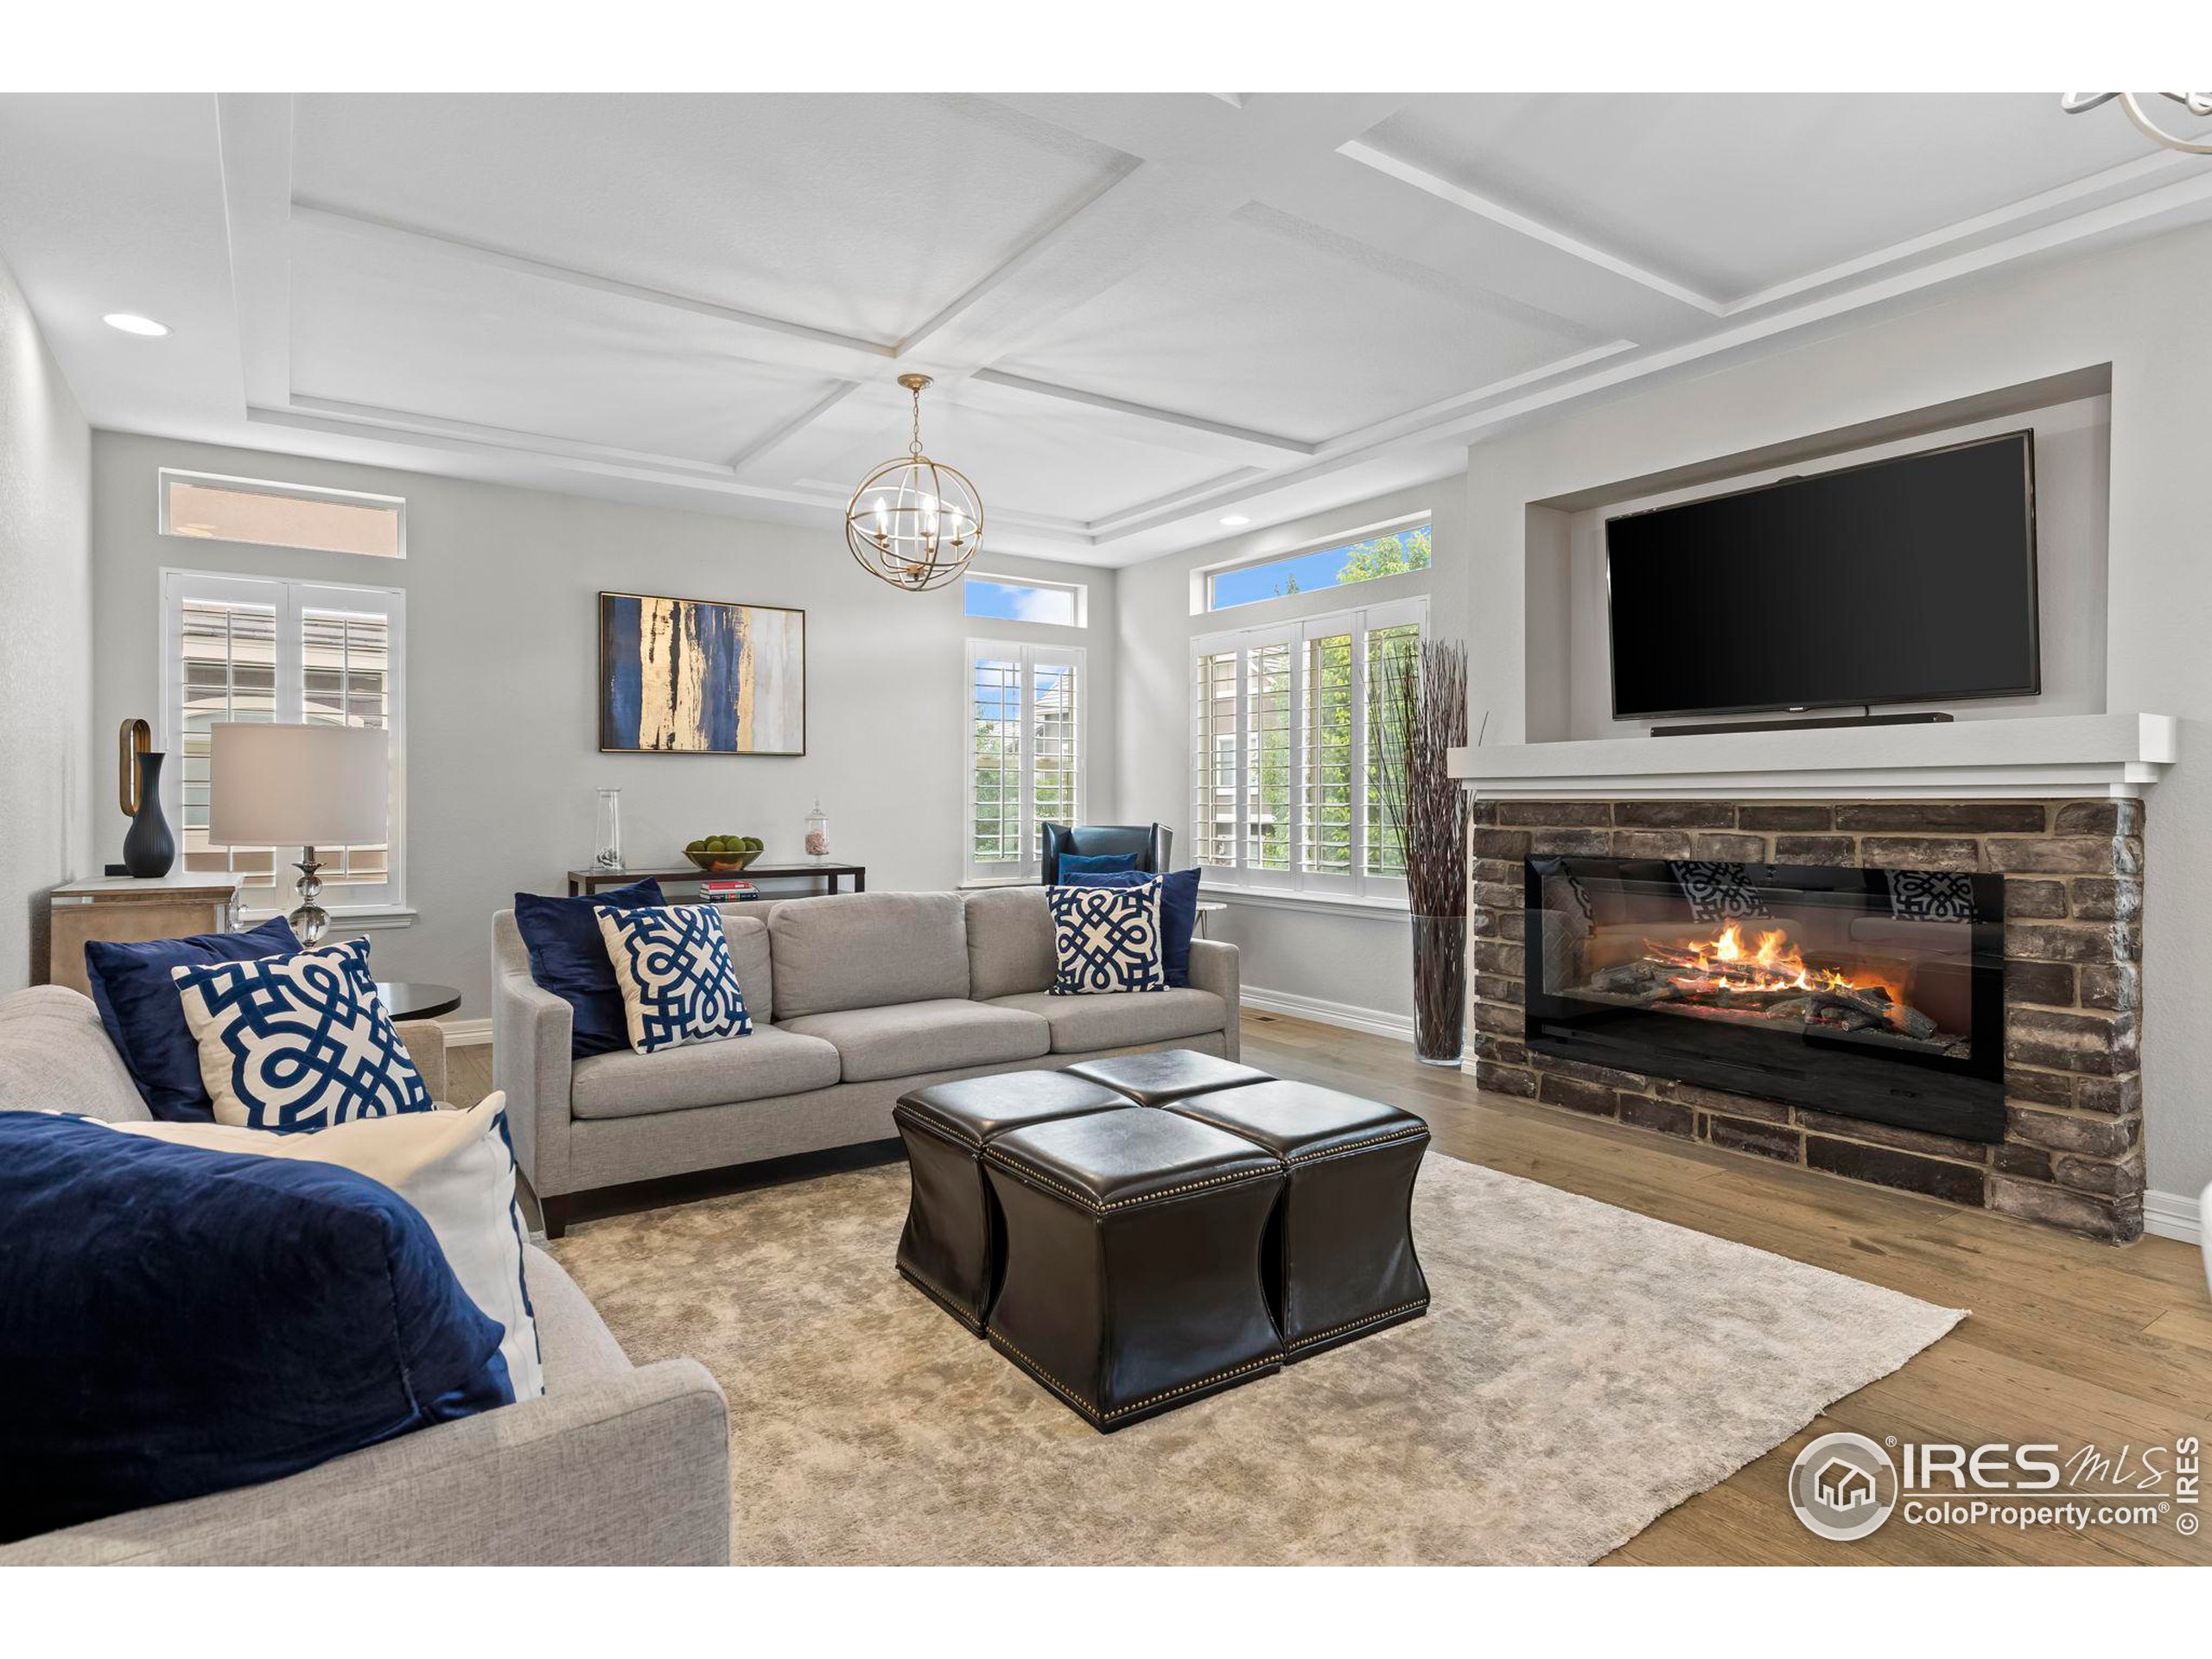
454 1166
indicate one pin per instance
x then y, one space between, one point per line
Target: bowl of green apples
724 855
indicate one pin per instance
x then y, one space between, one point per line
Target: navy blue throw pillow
144 1016
1179 911
1073 864
567 957
176 1321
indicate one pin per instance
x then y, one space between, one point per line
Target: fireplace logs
1768 981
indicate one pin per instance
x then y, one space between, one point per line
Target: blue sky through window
1015 601
1304 572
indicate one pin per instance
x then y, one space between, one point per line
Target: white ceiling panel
1144 311
492 349
862 215
1274 326
1733 194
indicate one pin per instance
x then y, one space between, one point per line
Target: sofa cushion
1106 939
672 965
747 934
868 949
905 1039
455 1167
771 1061
1120 1018
1009 942
1179 911
298 1042
138 1003
567 957
175 1321
55 1056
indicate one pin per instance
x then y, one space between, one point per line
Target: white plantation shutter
1284 737
250 648
1026 752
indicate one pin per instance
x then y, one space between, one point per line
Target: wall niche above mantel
1568 684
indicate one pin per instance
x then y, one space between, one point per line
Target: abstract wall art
698 677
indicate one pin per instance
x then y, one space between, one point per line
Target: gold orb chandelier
914 522
2197 103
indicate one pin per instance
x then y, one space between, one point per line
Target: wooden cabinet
116 908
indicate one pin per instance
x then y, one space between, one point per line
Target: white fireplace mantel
2074 756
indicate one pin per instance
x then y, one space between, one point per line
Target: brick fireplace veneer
2072 1152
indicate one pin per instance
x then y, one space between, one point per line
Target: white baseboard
1323 1012
466 1033
2169 1215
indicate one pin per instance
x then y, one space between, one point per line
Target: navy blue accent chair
1153 843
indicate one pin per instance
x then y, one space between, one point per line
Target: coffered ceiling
1143 311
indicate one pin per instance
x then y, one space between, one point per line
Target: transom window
1026 753
1287 742
207 507
1391 553
1006 600
252 648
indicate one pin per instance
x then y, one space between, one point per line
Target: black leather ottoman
1168 1074
1339 1262
951 1250
1133 1260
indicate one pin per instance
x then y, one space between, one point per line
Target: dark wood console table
584 881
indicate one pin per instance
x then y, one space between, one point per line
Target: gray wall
2143 310
1350 959
52 776
502 637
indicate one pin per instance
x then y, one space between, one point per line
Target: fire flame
1772 963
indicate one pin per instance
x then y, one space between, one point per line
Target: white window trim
1080 590
1358 888
1204 574
291 598
164 476
1014 873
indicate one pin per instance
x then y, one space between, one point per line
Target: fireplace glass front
1873 993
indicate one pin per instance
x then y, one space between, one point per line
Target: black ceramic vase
149 848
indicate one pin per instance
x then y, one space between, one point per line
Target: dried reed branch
1423 696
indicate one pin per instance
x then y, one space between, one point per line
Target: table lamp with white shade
304 786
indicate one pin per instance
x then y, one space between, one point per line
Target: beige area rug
1582 1369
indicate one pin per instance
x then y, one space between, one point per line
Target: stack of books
727 890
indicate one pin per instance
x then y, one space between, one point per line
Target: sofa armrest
1214 968
426 1046
630 1470
532 1031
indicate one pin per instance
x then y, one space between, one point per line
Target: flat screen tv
1910 580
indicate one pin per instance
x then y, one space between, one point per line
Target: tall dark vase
1440 989
149 848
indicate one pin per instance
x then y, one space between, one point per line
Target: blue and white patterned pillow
671 965
1106 939
298 1042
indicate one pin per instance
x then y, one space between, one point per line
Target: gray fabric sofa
855 999
617 1464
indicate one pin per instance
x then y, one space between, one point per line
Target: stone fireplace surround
2072 1155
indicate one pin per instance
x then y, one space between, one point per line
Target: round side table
415 998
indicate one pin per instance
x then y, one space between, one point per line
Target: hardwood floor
2070 1342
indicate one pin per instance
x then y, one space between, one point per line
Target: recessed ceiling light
1234 519
131 323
